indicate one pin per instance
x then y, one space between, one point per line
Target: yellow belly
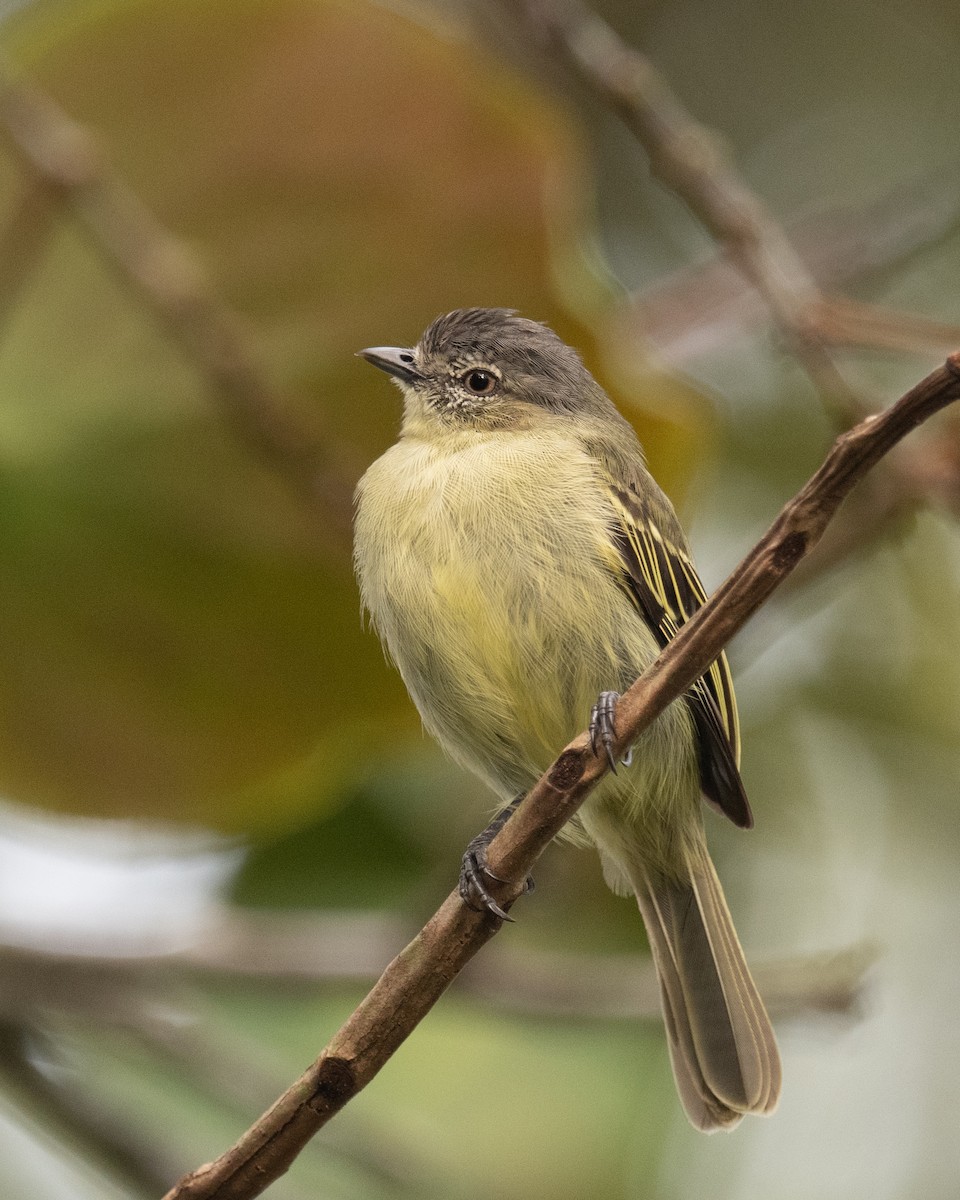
501 615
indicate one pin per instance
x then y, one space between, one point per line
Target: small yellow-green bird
522 568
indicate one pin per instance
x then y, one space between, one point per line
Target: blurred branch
621 986
87 980
702 307
698 311
419 975
46 994
65 158
321 948
30 1066
844 322
691 161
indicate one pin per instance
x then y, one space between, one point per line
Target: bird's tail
722 1045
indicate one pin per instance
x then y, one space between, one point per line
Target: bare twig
415 980
65 157
844 322
700 308
50 1090
690 159
231 1070
625 986
274 949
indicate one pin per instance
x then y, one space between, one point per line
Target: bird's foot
473 890
603 731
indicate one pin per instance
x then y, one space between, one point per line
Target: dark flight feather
662 581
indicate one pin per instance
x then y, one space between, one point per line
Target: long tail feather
722 1045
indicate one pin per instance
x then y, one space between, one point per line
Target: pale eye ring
480 382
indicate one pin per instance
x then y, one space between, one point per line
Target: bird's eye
481 383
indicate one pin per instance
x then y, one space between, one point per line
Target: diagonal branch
64 157
32 1070
703 306
691 160
419 975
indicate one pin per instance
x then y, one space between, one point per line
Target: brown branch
419 975
844 322
699 310
605 986
68 1110
66 159
692 161
305 948
701 307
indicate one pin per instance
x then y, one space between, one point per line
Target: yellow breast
483 568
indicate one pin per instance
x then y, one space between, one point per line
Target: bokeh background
220 817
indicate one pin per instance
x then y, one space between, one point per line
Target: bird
522 567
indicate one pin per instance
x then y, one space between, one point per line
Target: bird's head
487 368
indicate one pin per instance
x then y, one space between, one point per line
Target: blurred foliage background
221 817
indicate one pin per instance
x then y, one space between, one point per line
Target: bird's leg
603 731
473 890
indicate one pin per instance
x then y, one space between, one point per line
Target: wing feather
661 580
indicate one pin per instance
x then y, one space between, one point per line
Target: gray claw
602 728
473 866
472 887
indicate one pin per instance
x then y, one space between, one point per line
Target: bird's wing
658 575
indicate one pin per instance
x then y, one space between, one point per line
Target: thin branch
701 307
700 310
163 270
844 322
230 1070
419 975
625 986
53 1093
692 161
311 949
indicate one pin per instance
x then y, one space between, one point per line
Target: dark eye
481 383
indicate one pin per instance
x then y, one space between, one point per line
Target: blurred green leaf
175 642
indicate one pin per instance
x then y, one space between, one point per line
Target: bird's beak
392 359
